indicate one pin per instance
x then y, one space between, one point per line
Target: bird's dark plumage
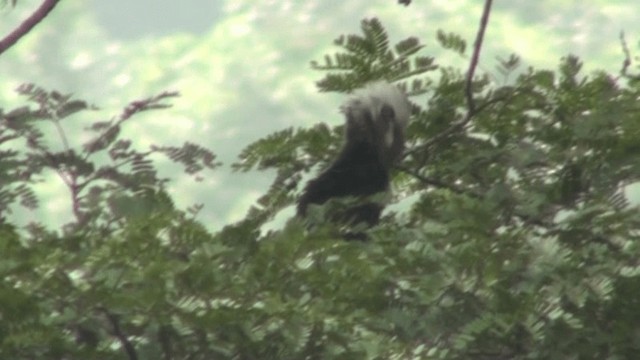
376 117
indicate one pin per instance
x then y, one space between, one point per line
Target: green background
242 68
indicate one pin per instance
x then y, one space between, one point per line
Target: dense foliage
512 237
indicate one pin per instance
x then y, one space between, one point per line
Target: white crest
376 94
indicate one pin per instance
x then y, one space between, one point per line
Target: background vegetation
233 59
512 236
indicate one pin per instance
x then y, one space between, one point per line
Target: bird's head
378 113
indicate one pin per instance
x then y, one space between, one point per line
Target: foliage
369 57
514 239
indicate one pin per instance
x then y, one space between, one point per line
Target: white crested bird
376 119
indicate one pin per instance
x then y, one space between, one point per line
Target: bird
376 117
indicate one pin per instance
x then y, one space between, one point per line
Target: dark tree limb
627 55
477 46
27 25
116 331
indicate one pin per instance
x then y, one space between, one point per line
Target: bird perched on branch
376 118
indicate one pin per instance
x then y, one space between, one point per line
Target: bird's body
376 117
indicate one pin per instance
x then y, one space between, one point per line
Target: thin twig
468 89
447 132
133 108
27 25
627 55
439 184
70 178
61 134
477 46
75 199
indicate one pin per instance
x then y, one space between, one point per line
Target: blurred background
242 68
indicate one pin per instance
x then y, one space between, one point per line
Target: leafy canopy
513 238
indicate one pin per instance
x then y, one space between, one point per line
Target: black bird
376 118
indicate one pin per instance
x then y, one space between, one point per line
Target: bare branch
471 106
28 24
627 55
116 331
477 46
439 184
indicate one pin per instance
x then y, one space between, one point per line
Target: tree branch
439 184
527 219
119 334
477 46
468 88
28 24
131 109
627 55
